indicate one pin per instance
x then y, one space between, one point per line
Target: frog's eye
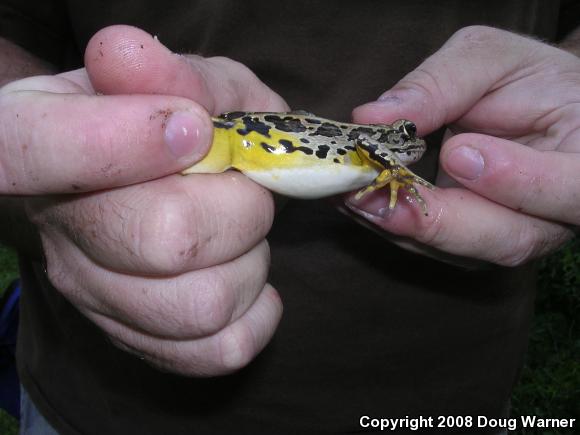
410 128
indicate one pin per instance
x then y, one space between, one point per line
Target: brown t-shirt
368 329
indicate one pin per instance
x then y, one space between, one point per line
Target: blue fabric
32 421
9 383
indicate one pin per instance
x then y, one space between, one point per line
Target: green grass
550 382
8 425
8 268
8 272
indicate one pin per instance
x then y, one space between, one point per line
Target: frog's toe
363 192
417 196
397 179
422 182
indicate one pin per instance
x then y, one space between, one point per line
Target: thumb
473 62
123 59
127 60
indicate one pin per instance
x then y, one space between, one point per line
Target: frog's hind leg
394 174
396 178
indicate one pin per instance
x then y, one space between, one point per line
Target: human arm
512 101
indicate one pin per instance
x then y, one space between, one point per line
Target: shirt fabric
368 328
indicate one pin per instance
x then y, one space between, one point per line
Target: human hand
512 108
173 269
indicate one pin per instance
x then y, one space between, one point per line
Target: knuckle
264 259
476 34
182 365
198 80
233 69
167 236
428 87
222 293
523 245
62 279
57 276
251 91
232 65
237 348
210 305
423 82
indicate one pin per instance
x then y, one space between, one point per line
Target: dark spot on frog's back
252 123
290 147
328 130
288 124
224 124
231 115
356 132
384 137
267 147
322 151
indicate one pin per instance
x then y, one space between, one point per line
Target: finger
464 224
166 227
60 143
539 183
190 305
124 59
228 350
439 92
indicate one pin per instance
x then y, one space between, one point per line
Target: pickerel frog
301 155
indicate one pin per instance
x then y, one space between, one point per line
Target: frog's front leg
393 173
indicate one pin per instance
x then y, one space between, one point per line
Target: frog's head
401 139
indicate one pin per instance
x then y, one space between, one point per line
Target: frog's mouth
410 152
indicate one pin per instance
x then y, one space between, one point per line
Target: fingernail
465 162
186 134
374 205
399 96
390 98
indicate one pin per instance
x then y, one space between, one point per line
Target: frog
301 155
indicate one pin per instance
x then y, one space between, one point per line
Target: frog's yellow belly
314 181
